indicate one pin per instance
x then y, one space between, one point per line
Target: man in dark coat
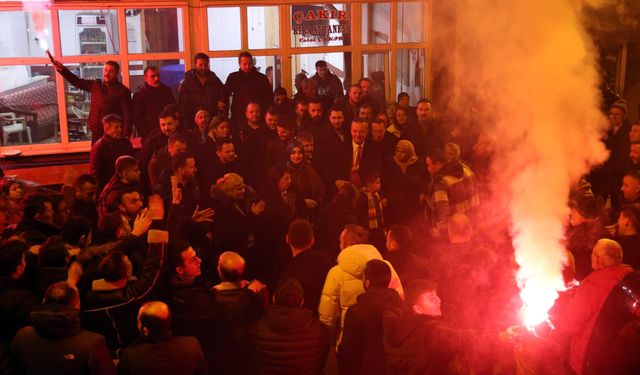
330 145
308 266
328 85
108 96
149 100
56 341
38 215
628 236
158 351
127 175
107 149
245 86
225 161
289 340
200 89
17 300
159 138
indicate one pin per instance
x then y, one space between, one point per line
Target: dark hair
424 100
124 191
336 108
437 156
300 234
275 174
110 118
416 288
253 102
176 248
365 79
245 54
11 254
300 100
176 137
61 293
304 137
200 56
180 159
6 184
113 266
114 64
369 176
377 121
367 106
378 273
167 112
315 100
633 174
34 204
223 142
280 91
150 67
356 234
85 179
273 110
402 234
355 86
289 294
172 108
125 163
287 121
75 228
53 253
109 225
321 64
403 95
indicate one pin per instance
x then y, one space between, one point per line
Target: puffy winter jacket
343 284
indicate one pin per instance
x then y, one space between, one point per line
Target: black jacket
112 312
55 343
289 341
148 103
193 95
248 87
310 268
103 157
164 355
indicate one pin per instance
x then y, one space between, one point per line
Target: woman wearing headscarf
305 180
404 177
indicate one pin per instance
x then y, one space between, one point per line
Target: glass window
25 34
339 63
263 24
320 25
224 28
376 66
410 22
224 66
154 30
78 101
28 105
376 23
89 32
171 73
410 66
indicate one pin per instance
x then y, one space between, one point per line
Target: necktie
356 161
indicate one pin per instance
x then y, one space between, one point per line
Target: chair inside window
14 125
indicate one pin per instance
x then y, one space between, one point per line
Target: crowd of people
257 233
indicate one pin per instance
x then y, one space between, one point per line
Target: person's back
55 343
288 340
157 351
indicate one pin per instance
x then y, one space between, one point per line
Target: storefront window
263 27
224 28
376 66
154 30
410 22
339 63
28 105
271 66
410 73
89 32
376 23
25 34
171 73
320 25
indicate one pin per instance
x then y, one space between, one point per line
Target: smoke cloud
534 69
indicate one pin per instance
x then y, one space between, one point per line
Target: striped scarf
374 211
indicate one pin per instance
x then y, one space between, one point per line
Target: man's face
377 132
634 154
617 116
152 78
15 192
202 120
109 73
222 131
279 99
336 118
309 88
301 109
315 111
114 129
433 167
429 304
253 113
284 133
308 149
634 134
132 174
355 94
423 111
168 125
86 192
227 153
284 182
271 121
401 117
374 187
47 215
404 101
190 264
177 147
366 113
630 188
359 132
366 87
131 204
237 192
245 64
322 71
189 169
202 67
